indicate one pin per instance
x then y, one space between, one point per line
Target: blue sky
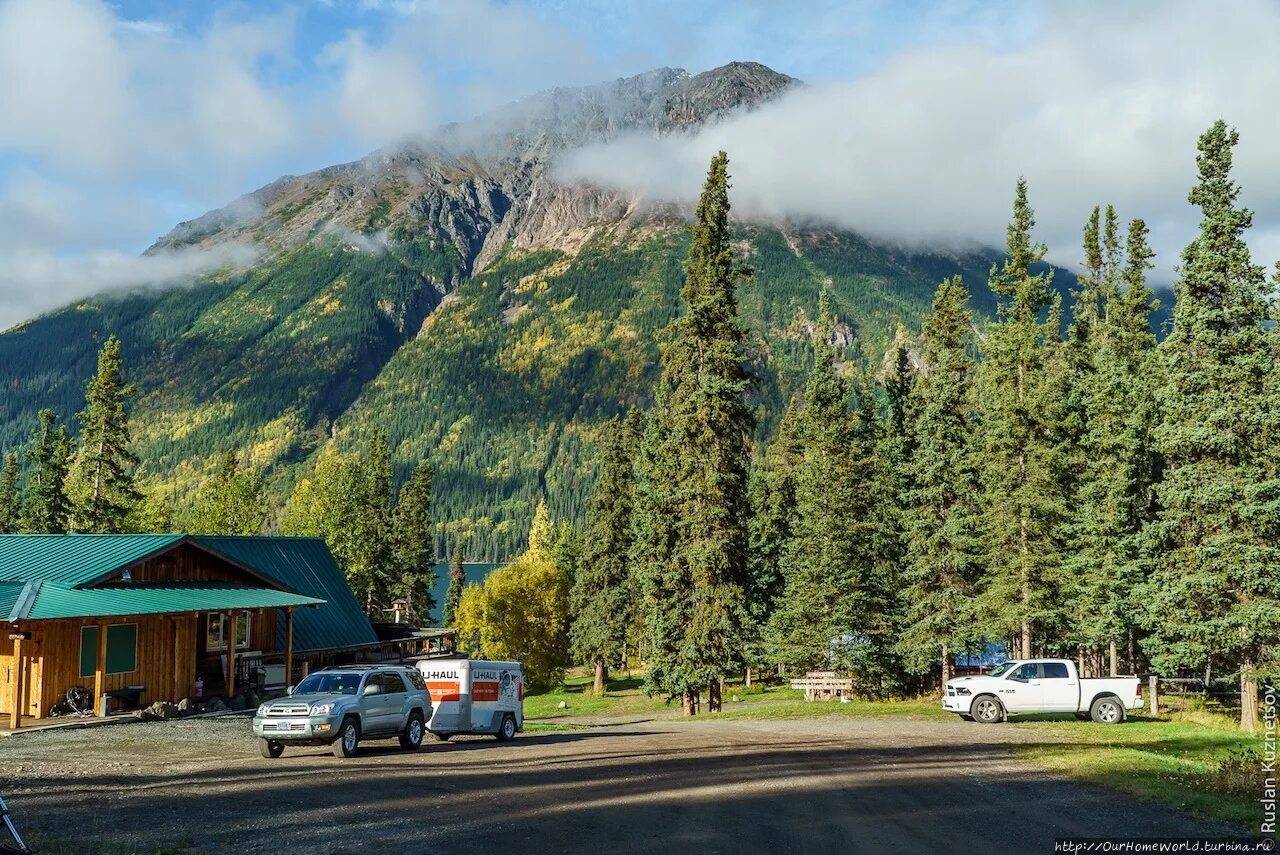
119 119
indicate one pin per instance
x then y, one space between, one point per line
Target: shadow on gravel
608 791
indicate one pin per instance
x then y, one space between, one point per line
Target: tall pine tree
944 547
102 487
1215 592
10 498
603 599
693 564
412 537
457 580
1023 504
46 507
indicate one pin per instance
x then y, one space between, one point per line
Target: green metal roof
73 559
9 593
305 565
57 601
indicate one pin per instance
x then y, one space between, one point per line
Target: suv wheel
507 730
411 737
270 748
348 741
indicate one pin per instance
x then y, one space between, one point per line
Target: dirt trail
807 785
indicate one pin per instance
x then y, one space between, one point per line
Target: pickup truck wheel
1107 711
270 748
507 730
987 709
411 737
348 741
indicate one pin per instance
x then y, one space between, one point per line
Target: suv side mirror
372 689
289 691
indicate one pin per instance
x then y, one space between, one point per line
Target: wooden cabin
147 617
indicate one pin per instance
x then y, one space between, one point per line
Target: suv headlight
322 709
262 710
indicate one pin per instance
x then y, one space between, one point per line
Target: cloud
1104 105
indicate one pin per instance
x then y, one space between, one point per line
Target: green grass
1208 769
625 697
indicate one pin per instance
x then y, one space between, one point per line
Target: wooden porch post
20 681
288 647
100 674
178 690
233 620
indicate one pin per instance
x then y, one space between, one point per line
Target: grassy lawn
1208 767
625 698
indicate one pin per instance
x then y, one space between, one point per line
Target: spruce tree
46 507
374 553
412 536
944 548
457 580
232 502
1023 504
103 490
828 563
1117 460
10 498
693 564
1215 592
603 599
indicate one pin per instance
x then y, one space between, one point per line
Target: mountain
452 291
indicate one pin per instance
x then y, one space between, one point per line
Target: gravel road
815 785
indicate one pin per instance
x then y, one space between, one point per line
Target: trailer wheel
411 736
507 730
270 748
348 741
1107 710
986 709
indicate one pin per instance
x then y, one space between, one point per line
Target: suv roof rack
365 666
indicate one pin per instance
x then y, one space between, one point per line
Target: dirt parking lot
805 785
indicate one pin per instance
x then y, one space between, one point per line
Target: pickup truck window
1056 671
329 684
1000 669
1029 671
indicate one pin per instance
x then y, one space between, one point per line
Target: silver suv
341 706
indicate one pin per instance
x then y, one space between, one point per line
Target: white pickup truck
1041 686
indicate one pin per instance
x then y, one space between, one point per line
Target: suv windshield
329 684
1000 669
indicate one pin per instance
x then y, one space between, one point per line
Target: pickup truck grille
951 691
291 709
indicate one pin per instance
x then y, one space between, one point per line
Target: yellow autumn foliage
521 612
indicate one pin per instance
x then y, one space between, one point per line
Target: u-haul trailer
474 696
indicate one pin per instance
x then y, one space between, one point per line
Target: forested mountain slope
452 292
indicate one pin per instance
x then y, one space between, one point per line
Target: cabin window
122 649
216 637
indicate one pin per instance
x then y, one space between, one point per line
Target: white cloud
1104 105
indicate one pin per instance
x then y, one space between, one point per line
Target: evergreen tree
1023 503
603 598
772 494
232 502
694 565
1116 456
102 487
829 563
10 498
374 553
412 534
457 579
944 548
46 507
1215 592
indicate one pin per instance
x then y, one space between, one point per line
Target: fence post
1155 702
